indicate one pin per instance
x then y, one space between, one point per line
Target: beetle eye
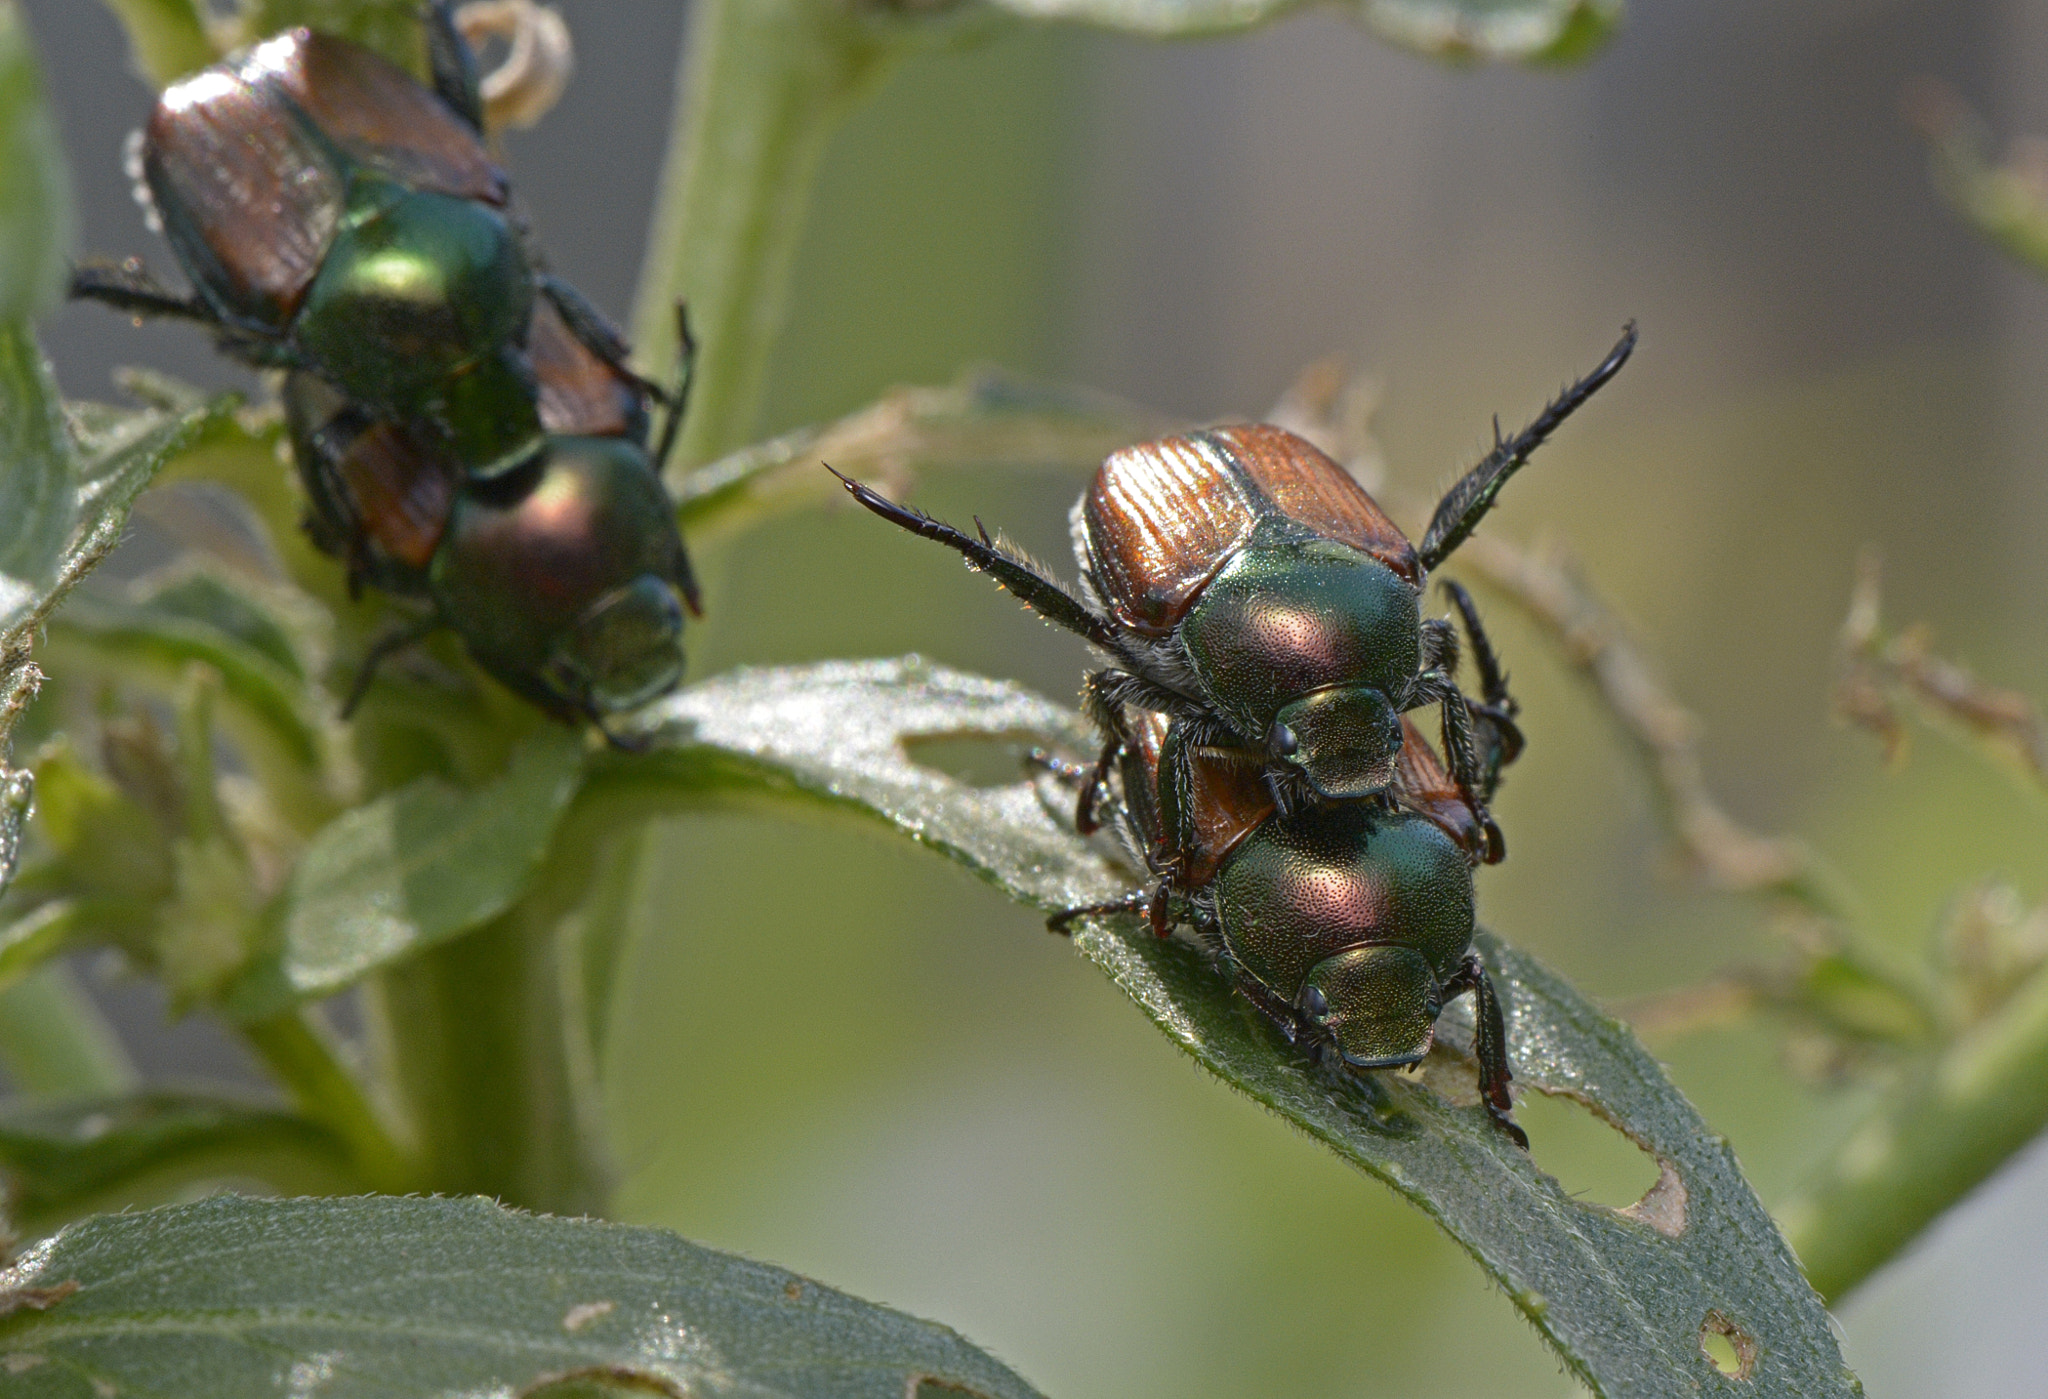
1314 1004
1281 740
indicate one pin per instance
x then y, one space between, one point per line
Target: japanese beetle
1242 583
564 575
1348 924
337 218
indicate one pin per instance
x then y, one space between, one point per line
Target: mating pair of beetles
1260 617
468 432
471 438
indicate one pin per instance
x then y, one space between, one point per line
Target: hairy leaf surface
350 1299
1623 1295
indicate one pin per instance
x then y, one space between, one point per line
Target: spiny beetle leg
1490 1043
1031 587
1459 512
453 63
1137 901
1065 771
1493 681
127 286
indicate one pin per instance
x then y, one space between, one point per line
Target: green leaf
36 218
1544 30
1624 1296
260 641
125 452
59 1159
415 867
38 481
166 38
379 1297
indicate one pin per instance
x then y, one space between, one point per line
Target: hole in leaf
979 760
603 1382
1728 1347
1590 1157
925 1387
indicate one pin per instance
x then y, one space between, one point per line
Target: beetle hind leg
1498 736
1154 903
1490 1043
127 286
453 65
1459 512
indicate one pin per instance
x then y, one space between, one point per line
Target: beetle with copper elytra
1244 585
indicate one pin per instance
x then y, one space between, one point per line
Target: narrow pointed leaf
377 1297
1622 1295
38 478
36 217
415 867
59 1159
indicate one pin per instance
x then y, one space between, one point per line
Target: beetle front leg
1490 1043
1108 717
1154 903
1461 754
1498 737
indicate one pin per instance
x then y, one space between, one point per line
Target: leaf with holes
1458 30
1633 1299
352 1299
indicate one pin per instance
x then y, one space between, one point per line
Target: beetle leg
1022 577
1490 1043
381 650
127 286
1461 754
1065 771
1137 901
1439 646
1499 737
453 64
1269 1005
1108 717
677 398
1459 512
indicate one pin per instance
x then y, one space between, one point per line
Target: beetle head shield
1346 740
1378 1003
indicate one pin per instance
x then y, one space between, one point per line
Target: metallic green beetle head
1310 646
1354 917
625 651
417 287
563 577
1377 1004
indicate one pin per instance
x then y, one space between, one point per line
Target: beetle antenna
1459 512
1023 578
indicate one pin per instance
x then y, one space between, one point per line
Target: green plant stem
1939 1136
305 1059
54 1040
763 85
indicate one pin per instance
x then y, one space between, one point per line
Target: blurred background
842 1055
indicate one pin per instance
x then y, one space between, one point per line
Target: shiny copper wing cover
1160 518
